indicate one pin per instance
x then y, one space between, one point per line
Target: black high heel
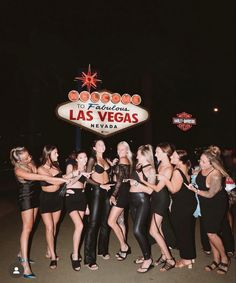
53 264
122 255
160 261
167 265
75 263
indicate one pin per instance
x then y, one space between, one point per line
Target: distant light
215 109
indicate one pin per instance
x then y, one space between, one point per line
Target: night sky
178 55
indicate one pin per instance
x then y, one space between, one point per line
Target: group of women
104 189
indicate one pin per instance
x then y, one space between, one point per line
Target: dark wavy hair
46 156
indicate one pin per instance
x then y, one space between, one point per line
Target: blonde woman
140 203
28 198
214 204
120 196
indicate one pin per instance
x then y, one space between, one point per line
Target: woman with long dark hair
99 206
76 201
183 206
214 204
160 201
51 203
28 198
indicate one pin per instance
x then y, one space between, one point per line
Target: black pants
97 224
140 211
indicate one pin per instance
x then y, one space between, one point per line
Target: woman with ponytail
28 199
213 203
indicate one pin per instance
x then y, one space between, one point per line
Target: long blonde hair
213 155
147 151
15 154
129 152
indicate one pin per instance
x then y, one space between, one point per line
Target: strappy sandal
53 264
223 268
145 269
212 266
75 263
139 260
167 265
160 261
92 266
30 275
123 254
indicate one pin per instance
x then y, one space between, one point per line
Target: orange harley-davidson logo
184 121
103 113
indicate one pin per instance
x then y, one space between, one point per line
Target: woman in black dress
28 198
183 206
120 196
214 204
51 202
160 201
76 201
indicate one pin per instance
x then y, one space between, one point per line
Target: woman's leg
28 221
92 227
156 233
218 250
104 232
77 220
49 225
112 222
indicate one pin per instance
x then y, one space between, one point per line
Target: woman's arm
214 188
175 183
22 174
151 180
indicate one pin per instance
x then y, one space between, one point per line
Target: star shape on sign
89 80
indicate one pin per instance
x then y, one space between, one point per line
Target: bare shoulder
215 175
42 170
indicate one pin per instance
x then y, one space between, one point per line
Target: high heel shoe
168 266
75 263
31 275
180 264
122 255
160 261
53 264
223 267
31 261
145 269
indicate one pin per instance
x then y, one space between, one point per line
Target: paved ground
110 271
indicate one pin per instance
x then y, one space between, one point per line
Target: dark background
178 55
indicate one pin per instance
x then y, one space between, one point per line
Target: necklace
146 165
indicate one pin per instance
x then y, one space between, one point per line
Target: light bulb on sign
216 109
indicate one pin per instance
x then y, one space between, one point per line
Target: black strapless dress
28 195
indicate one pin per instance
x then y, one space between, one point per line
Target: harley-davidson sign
103 113
184 121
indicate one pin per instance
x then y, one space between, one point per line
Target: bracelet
136 183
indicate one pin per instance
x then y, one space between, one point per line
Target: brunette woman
28 199
76 202
120 196
140 203
51 203
99 207
183 206
214 204
160 201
